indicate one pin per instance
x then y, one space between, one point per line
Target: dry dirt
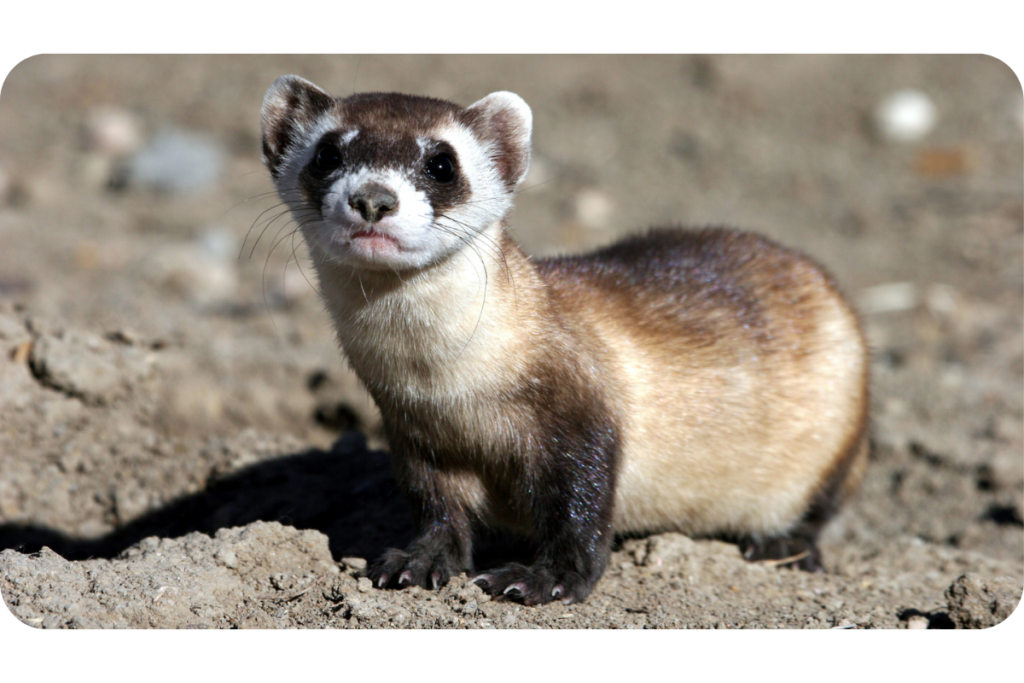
181 445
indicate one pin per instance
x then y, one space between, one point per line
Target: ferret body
709 382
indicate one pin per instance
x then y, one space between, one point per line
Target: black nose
373 202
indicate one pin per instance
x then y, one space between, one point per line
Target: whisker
269 221
299 265
260 197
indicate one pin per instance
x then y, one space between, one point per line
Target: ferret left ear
505 120
291 107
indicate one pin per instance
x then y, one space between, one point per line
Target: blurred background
158 331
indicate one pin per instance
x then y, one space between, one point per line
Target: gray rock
177 161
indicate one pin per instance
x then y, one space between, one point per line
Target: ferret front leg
443 544
572 507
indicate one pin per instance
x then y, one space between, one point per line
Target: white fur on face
420 236
489 199
404 238
412 236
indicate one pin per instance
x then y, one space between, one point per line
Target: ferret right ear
505 120
291 108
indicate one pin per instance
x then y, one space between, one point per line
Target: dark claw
534 586
399 569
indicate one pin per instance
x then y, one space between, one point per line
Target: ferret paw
534 586
797 552
400 569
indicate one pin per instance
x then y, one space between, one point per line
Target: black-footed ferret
710 382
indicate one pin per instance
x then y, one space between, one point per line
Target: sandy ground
181 445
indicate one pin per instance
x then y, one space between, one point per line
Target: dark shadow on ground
348 493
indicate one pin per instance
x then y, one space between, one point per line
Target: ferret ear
504 120
291 107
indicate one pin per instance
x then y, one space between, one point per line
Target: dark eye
328 158
441 167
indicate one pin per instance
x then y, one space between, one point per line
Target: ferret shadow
348 493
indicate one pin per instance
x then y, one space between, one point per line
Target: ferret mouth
374 239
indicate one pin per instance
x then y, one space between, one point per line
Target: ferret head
388 181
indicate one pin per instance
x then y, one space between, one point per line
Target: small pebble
113 131
593 208
227 558
356 563
887 298
364 584
905 116
917 622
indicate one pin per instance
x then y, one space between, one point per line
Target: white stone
887 298
905 116
593 208
112 131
